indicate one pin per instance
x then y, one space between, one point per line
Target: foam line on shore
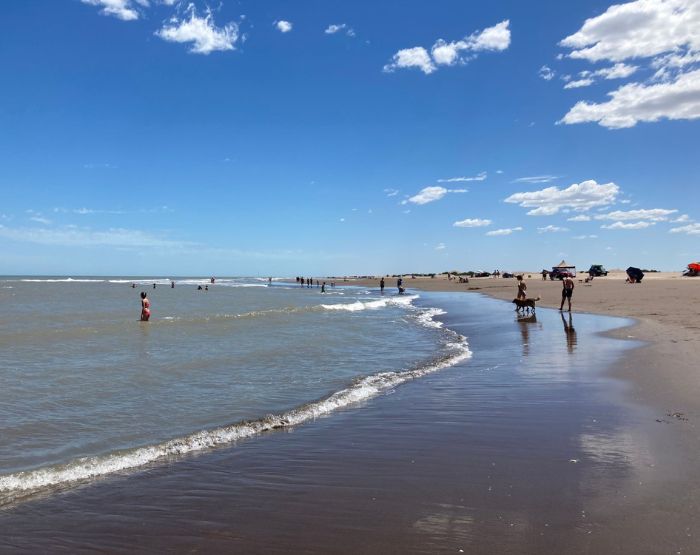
21 484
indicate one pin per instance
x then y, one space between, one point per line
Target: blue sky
334 137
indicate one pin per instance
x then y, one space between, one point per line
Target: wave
379 303
27 483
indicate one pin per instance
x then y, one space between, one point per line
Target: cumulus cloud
690 229
636 102
546 73
431 194
283 26
662 32
536 179
506 231
479 177
472 222
639 29
633 225
654 215
125 10
580 218
337 28
579 197
201 31
443 53
551 229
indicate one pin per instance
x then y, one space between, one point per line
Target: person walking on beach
381 285
566 292
522 287
145 307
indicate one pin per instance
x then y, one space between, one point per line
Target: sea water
87 390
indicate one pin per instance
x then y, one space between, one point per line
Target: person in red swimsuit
145 307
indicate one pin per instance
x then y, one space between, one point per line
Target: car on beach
558 273
597 270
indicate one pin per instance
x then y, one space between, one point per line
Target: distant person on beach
206 288
381 285
145 307
199 288
323 287
522 288
269 280
566 292
212 280
399 285
544 275
154 286
172 285
133 286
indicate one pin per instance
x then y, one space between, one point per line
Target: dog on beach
525 305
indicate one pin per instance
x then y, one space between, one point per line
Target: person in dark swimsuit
145 307
566 292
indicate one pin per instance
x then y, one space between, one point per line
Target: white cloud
472 222
333 29
431 194
411 57
579 196
536 179
546 73
122 9
582 237
391 192
635 102
665 33
623 225
551 229
40 219
496 38
639 29
618 71
479 177
681 219
506 231
84 237
690 229
201 31
440 247
579 83
654 215
283 26
580 218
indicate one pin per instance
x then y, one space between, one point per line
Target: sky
329 137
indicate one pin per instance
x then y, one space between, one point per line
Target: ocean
89 391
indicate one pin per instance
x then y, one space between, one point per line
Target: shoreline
662 370
479 457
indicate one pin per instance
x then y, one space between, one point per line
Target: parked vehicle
693 270
597 270
559 273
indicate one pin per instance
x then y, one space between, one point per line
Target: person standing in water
145 307
381 285
323 287
522 287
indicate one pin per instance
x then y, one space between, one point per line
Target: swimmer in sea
145 307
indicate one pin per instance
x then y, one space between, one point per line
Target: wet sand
529 447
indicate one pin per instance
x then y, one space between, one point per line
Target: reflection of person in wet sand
524 323
570 333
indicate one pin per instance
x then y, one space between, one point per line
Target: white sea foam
86 468
378 303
